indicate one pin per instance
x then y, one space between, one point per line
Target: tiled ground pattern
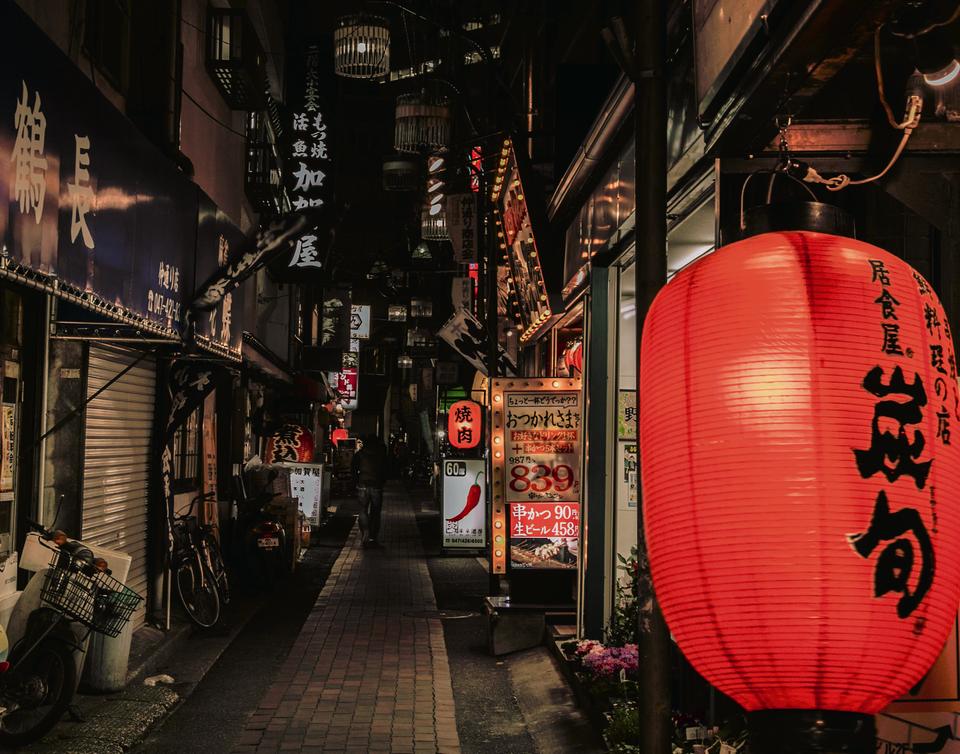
366 674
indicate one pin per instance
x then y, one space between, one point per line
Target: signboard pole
650 115
485 253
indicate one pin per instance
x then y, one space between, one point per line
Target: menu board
537 440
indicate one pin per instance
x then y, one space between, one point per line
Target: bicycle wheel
38 690
217 567
198 591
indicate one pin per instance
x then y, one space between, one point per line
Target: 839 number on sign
541 477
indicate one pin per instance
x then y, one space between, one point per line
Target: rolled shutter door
116 462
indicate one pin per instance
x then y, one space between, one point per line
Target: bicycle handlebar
205 496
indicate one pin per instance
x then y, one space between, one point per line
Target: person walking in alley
370 472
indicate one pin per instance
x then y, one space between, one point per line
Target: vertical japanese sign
218 241
464 503
462 223
210 450
347 381
627 493
347 384
537 438
336 315
627 415
309 181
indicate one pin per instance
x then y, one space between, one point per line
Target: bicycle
210 547
198 568
38 679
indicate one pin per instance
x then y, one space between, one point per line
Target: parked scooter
77 595
263 540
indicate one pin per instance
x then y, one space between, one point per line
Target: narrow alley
370 669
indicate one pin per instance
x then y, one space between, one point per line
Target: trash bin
107 661
108 657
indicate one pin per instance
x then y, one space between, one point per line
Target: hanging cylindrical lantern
401 173
464 425
798 396
291 443
422 123
361 47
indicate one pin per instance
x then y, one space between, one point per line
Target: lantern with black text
464 425
291 443
798 404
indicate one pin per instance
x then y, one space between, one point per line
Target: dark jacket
370 465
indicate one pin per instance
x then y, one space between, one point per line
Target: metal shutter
116 458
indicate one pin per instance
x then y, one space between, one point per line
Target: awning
256 354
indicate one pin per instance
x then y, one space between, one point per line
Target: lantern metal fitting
361 47
433 216
422 123
401 173
433 223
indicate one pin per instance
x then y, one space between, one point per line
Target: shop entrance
116 458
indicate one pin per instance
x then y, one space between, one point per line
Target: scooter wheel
42 685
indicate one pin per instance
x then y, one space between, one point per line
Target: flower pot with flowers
606 673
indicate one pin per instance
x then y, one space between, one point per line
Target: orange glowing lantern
800 478
339 434
464 425
290 444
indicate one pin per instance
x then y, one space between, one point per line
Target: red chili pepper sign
473 498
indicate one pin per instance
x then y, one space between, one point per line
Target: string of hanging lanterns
361 47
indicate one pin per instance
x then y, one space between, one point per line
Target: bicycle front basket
68 588
113 605
87 596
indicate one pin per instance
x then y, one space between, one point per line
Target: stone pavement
369 671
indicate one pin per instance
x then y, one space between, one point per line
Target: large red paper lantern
464 425
800 472
290 444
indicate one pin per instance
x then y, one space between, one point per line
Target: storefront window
186 453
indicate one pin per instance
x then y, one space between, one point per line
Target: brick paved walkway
366 674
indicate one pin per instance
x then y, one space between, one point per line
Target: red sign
545 520
291 443
465 425
476 161
347 384
798 404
